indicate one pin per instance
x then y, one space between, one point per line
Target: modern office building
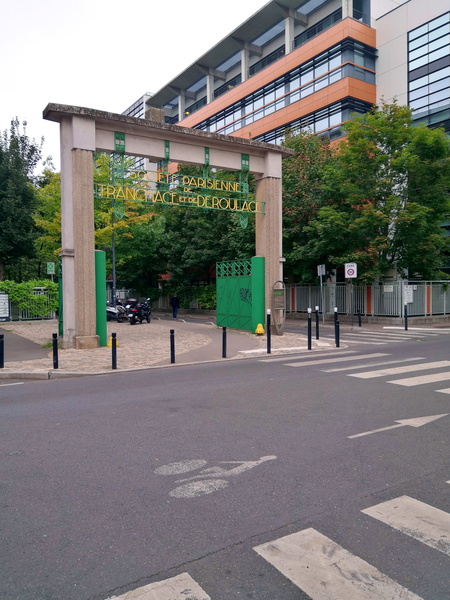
308 64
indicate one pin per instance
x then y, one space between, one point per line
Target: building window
326 122
306 79
429 72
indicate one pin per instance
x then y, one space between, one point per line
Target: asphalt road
119 481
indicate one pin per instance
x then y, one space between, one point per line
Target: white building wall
392 41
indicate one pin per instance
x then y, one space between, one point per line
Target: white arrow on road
416 422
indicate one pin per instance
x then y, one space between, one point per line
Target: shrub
23 295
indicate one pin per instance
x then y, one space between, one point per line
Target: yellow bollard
109 344
259 329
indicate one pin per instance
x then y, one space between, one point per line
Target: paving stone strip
139 346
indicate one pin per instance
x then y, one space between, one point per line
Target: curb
242 354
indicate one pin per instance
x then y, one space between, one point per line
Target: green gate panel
258 292
240 293
100 296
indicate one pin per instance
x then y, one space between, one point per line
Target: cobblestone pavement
145 345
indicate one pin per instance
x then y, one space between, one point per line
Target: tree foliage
303 176
18 197
384 195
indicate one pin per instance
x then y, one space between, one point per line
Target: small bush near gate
25 296
207 297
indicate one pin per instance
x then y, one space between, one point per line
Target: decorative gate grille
240 293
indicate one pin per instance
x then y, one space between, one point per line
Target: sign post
351 271
51 269
321 273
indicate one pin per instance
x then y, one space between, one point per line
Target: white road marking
184 466
378 364
306 357
415 422
335 360
410 381
405 369
444 391
198 488
420 521
6 384
324 570
181 587
436 332
212 477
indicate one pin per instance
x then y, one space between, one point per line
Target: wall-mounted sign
4 307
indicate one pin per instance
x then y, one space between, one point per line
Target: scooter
115 313
137 311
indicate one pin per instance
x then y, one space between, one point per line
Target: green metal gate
240 293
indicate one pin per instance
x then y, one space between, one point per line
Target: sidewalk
139 346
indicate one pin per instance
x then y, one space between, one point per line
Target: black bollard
337 334
359 318
309 329
317 322
224 342
406 317
114 350
2 351
172 346
269 349
55 350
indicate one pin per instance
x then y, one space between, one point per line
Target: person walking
175 304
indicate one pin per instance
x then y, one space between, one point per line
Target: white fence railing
422 298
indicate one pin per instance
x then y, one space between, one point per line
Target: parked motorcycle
116 313
138 311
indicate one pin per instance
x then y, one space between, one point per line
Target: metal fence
28 313
422 298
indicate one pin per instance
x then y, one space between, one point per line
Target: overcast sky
101 54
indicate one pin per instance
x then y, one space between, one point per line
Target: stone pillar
77 231
181 106
269 226
289 24
347 9
245 63
209 88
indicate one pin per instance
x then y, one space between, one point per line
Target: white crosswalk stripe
324 570
328 361
307 357
404 369
420 521
181 587
378 338
376 364
422 379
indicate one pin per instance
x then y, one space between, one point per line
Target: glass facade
347 59
327 122
429 71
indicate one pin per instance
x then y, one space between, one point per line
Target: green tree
303 176
384 196
48 218
195 239
18 197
